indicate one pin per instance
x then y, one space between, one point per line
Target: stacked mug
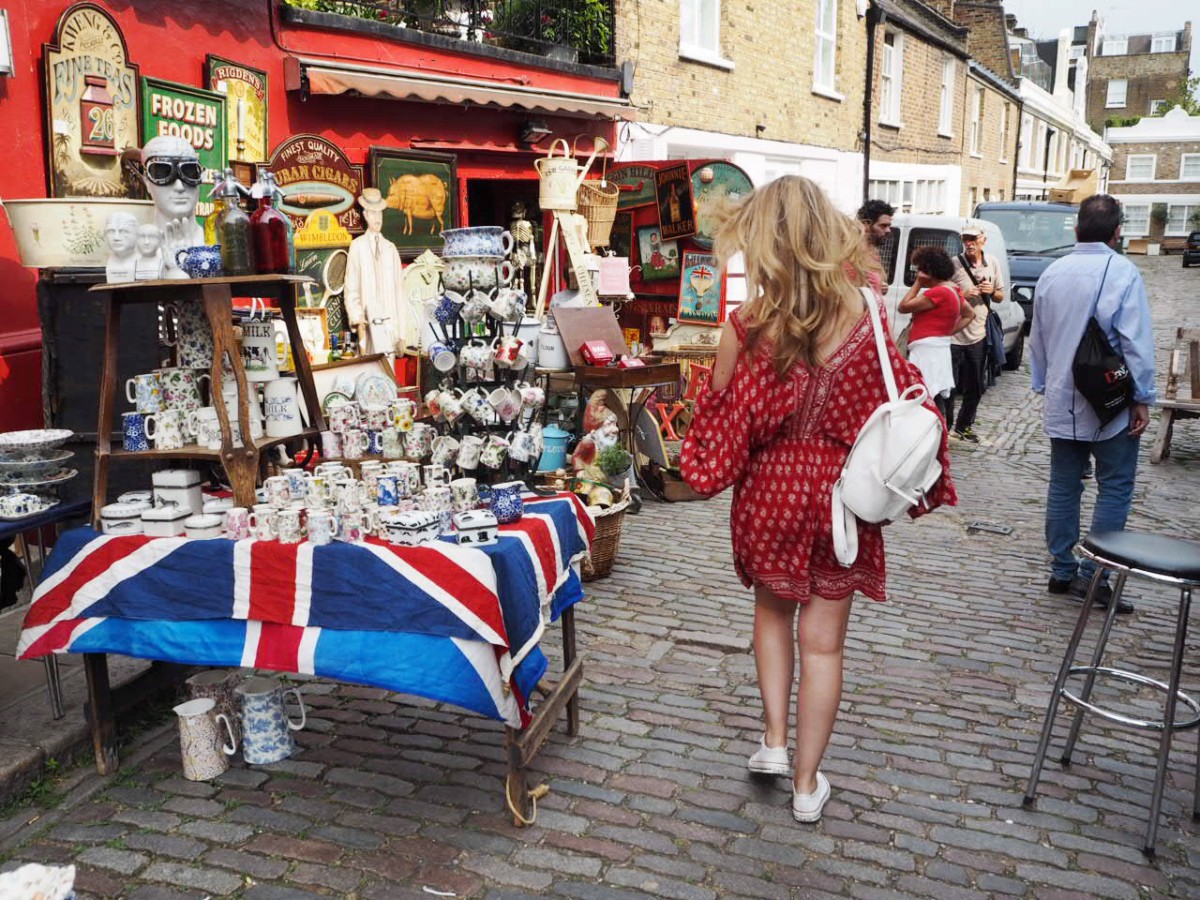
390 431
169 411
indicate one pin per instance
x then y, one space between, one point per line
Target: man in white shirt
978 277
374 292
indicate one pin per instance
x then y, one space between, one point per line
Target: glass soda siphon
269 229
232 229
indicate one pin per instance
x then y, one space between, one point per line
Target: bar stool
1164 560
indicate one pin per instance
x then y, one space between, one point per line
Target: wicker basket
606 541
597 202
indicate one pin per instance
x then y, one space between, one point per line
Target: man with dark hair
876 216
1092 280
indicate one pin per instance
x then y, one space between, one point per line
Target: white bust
120 234
172 173
149 253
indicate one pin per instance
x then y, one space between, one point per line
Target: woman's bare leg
820 634
775 659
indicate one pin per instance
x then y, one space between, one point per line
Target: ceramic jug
282 407
260 353
200 743
266 729
217 685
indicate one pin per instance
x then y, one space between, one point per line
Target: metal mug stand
1166 726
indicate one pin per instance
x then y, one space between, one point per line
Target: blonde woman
796 376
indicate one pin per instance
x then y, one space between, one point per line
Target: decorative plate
375 390
344 384
713 185
36 439
31 464
38 480
332 399
47 504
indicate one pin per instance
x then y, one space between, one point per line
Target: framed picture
701 290
421 189
673 192
659 258
621 240
636 184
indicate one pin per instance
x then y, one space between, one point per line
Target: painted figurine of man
172 173
120 234
374 292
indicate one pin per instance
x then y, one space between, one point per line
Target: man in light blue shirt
1092 274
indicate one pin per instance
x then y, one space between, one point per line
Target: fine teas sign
195 115
315 174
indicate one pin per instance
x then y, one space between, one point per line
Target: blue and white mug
133 428
388 490
145 392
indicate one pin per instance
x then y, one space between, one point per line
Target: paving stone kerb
946 684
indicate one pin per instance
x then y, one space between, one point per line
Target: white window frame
1155 106
946 99
1025 161
1158 42
1005 118
1139 226
891 79
1139 159
1182 229
1115 47
1189 159
976 133
1078 51
825 50
692 46
1111 102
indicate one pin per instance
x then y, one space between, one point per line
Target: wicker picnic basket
596 201
607 540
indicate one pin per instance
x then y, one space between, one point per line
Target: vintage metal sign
636 184
92 105
245 91
196 116
315 174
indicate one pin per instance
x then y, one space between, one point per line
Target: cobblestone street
946 686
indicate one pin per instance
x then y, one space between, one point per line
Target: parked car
910 231
1191 249
1036 233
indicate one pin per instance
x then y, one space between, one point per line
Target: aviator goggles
164 170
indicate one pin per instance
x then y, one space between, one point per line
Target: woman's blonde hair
804 264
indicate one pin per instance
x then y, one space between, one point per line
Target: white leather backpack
894 460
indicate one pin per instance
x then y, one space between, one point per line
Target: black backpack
1101 375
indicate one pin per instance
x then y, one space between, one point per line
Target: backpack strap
885 362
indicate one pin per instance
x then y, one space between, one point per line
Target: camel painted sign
315 174
421 189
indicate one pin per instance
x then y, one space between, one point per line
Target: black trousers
968 362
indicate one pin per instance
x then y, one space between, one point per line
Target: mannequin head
374 220
149 238
171 170
120 233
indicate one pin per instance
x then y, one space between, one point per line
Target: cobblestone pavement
945 689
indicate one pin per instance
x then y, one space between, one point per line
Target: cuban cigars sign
197 116
91 105
245 91
315 174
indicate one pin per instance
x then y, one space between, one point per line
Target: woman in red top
939 311
796 376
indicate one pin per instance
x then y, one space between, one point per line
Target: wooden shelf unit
241 462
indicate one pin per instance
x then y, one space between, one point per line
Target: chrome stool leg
1097 656
54 684
1039 758
1168 729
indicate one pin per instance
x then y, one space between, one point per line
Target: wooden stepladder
1185 361
571 229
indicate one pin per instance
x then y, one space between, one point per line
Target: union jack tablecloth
454 624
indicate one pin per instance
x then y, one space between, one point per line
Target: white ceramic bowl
67 231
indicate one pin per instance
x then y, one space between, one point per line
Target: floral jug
200 743
266 729
193 336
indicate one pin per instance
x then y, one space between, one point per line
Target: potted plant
617 465
563 30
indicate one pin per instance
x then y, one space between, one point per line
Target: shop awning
320 77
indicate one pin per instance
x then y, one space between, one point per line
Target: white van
910 231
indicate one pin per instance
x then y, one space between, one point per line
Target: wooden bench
1185 360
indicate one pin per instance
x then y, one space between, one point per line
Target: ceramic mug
353 526
436 474
446 308
387 490
237 523
354 443
278 491
193 336
322 525
506 501
483 240
404 413
465 494
145 392
418 443
201 261
254 411
376 417
204 426
289 525
508 305
466 273
433 402
495 450
393 443
133 429
522 447
297 483
282 407
475 403
266 728
331 444
181 387
452 405
445 448
260 351
201 745
505 402
505 350
441 356
408 478
475 309
375 442
165 429
469 452
532 396
343 417
262 522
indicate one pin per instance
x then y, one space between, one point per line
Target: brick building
709 82
1156 175
1132 75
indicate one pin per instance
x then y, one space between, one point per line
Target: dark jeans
968 373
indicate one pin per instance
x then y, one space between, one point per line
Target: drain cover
988 528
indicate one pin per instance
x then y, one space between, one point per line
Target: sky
1045 18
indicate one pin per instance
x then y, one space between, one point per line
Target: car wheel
1185 262
1012 359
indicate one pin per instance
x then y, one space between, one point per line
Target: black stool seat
1172 557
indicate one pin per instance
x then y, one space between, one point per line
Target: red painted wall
169 39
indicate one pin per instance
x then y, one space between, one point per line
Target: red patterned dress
782 444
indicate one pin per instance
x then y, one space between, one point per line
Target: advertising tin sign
315 174
245 92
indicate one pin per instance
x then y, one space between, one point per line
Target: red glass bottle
270 230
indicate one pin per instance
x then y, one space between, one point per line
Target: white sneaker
770 760
807 807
